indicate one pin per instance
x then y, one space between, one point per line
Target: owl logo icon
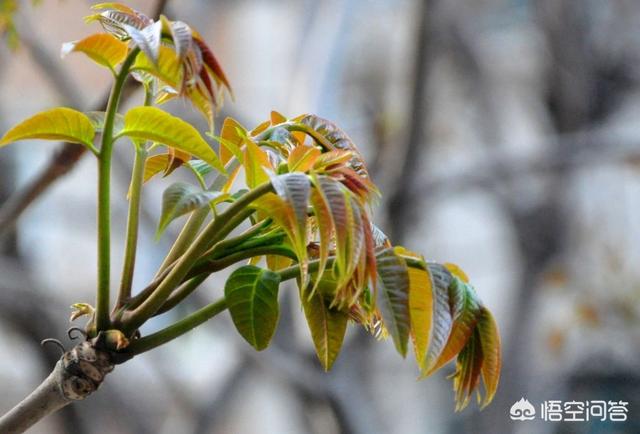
522 410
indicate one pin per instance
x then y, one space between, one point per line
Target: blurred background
505 137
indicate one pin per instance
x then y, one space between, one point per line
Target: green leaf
327 326
181 198
393 297
102 48
492 363
442 319
151 123
252 297
60 123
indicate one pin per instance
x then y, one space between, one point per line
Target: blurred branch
399 205
68 154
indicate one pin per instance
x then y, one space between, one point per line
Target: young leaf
468 370
327 327
393 297
256 161
490 343
151 123
154 165
147 39
102 48
232 136
167 68
56 124
442 319
302 158
181 198
465 311
421 308
252 297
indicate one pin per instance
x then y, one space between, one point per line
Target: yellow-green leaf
168 67
492 361
302 158
255 162
154 165
102 48
56 124
327 326
151 123
421 308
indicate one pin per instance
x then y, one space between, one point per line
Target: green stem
191 228
208 236
104 196
132 225
179 328
182 292
294 271
220 264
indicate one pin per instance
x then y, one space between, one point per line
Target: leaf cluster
303 212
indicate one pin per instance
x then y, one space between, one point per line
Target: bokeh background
505 137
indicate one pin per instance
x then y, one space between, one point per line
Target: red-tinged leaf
468 371
302 158
255 162
334 197
393 297
177 158
356 234
295 189
421 308
370 252
492 363
337 139
332 159
327 326
277 118
232 137
154 165
465 309
325 231
442 319
211 62
102 48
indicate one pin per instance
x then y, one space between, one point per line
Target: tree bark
46 399
78 373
